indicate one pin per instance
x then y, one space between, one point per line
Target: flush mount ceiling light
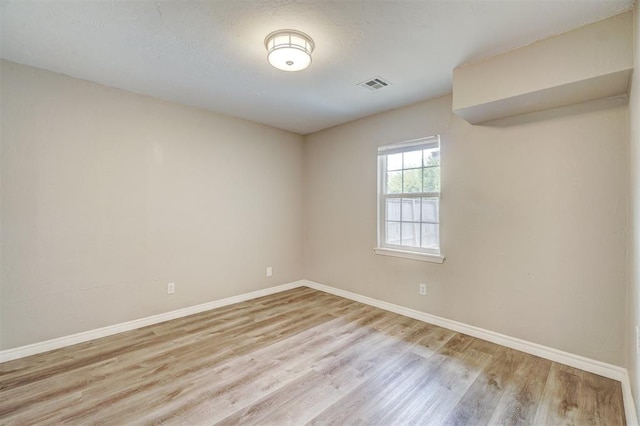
289 50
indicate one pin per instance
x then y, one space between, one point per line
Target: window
409 200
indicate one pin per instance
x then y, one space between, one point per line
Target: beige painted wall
634 290
107 196
534 217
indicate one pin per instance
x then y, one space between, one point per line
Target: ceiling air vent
374 84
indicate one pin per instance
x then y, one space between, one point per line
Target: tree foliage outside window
414 180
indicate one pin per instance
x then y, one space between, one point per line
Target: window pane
394 183
430 237
412 180
411 210
393 208
410 219
392 234
432 157
412 159
430 210
411 234
394 161
432 179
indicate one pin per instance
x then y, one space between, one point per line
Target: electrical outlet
269 271
423 289
637 340
171 288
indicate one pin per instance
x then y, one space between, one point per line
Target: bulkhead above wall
592 62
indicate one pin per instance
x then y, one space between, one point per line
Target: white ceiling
211 54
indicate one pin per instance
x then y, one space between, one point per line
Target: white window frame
408 252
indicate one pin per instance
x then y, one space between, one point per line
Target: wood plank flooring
300 357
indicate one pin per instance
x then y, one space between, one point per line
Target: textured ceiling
211 54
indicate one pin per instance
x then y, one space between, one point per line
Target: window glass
410 196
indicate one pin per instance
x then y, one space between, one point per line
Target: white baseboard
629 405
60 342
597 367
577 361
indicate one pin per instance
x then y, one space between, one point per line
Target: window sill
424 257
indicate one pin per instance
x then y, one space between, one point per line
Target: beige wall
534 222
634 290
107 196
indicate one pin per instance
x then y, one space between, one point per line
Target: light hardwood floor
301 356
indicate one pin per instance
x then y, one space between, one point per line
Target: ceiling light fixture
289 50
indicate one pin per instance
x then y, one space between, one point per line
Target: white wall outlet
423 289
171 288
269 271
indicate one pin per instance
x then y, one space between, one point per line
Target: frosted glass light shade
289 50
